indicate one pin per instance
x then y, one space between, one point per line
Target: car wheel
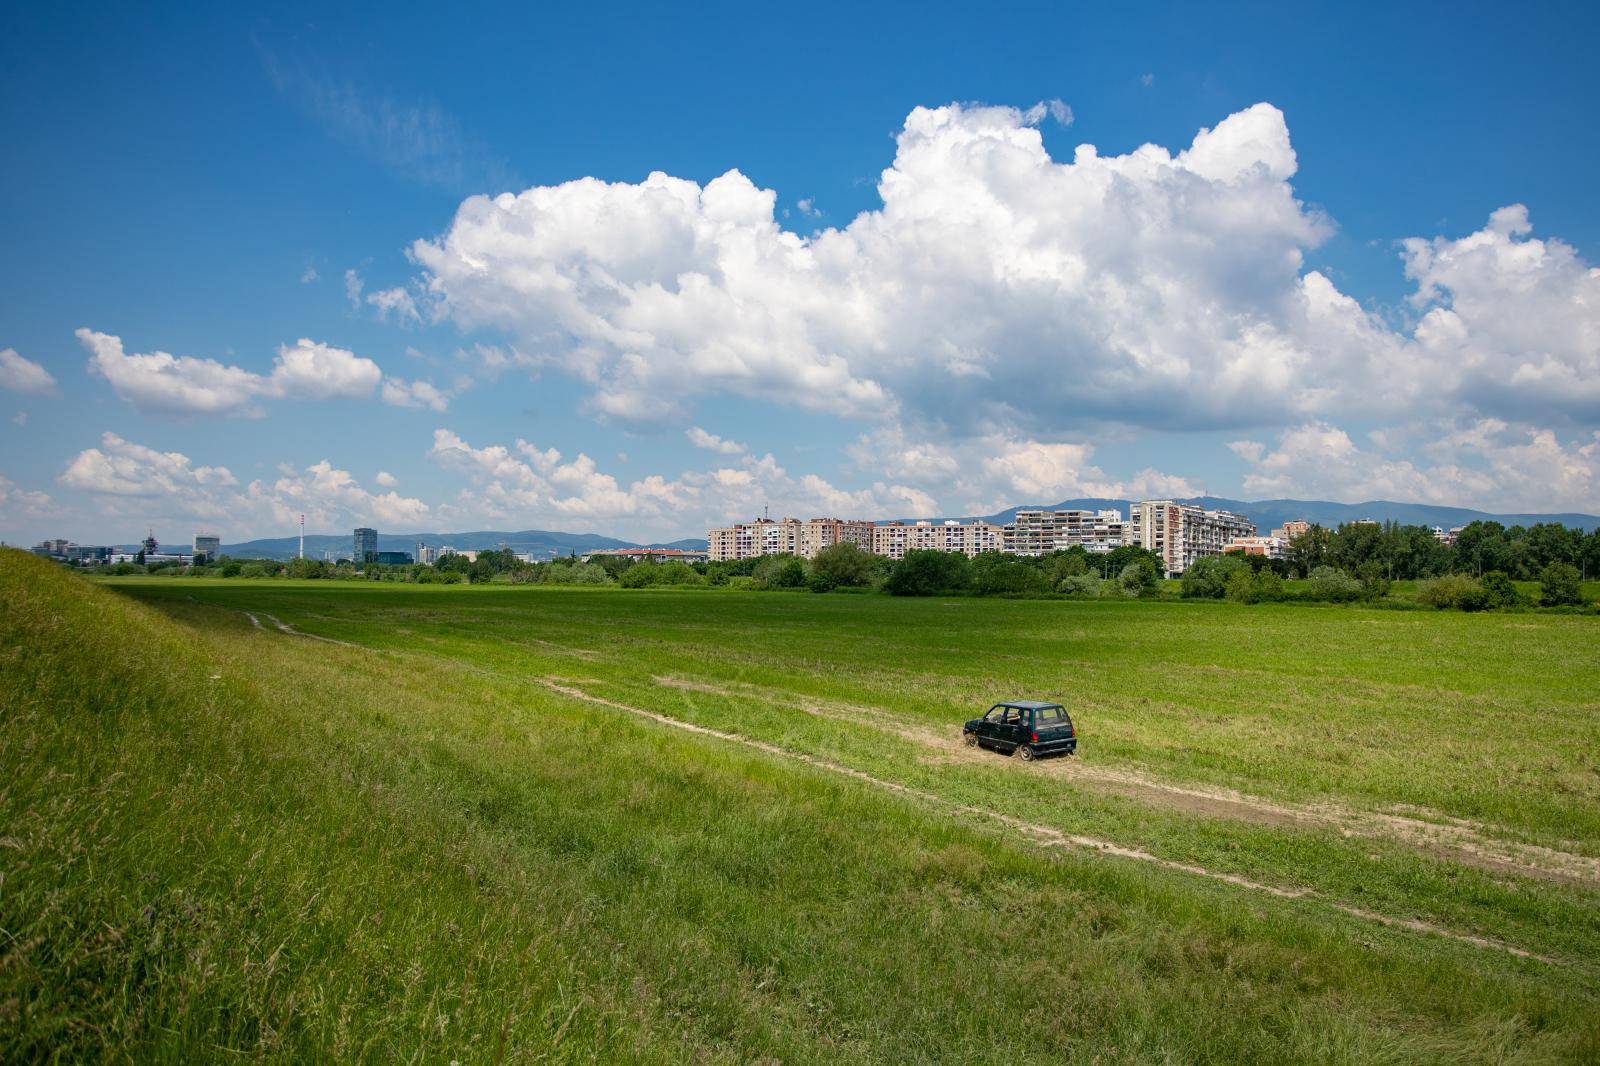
971 739
1025 753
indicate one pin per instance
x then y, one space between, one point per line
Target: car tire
1025 753
971 739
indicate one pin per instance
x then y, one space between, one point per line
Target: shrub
1079 585
1139 578
821 581
1374 580
926 573
1560 585
1269 586
252 570
1207 578
567 573
844 564
1333 585
1242 587
638 576
1498 590
780 572
1071 563
1453 592
1009 579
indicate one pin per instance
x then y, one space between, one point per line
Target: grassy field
519 824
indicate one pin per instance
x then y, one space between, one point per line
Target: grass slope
223 836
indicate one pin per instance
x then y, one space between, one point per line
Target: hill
320 821
539 542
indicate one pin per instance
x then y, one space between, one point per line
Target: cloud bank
998 290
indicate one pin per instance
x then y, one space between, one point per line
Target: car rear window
1051 716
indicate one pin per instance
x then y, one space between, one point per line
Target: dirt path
1044 835
285 627
1442 837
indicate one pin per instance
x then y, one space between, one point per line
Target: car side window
1013 716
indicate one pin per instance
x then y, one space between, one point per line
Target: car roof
1026 705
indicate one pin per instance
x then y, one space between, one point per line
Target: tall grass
222 839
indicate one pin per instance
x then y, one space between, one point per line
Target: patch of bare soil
1042 835
1434 834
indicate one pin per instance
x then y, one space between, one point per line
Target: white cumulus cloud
998 286
526 484
23 375
1489 464
398 392
136 484
713 443
162 383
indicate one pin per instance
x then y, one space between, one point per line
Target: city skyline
278 264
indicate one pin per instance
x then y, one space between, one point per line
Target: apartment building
1041 532
764 536
892 540
1182 533
818 533
1273 547
1291 529
767 536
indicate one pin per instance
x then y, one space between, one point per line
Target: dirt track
1043 835
1438 836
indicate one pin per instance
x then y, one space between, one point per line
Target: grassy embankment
218 835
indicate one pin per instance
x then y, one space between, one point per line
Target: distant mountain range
1266 514
539 542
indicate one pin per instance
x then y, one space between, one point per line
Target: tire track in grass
285 627
1448 838
1047 836
1041 835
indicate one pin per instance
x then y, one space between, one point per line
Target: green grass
222 836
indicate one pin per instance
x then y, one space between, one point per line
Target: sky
643 270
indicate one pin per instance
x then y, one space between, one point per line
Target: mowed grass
218 836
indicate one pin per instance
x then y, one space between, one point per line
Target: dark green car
1025 728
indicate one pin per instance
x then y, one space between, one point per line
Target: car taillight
1036 738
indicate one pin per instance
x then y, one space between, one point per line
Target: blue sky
1236 315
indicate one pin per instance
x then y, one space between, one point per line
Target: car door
989 728
1013 728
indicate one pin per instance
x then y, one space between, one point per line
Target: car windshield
1048 716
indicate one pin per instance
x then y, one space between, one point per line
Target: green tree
844 564
1481 546
1589 559
1064 564
1207 578
1560 585
1241 586
637 576
1009 578
1309 550
1115 561
1356 544
307 568
1498 589
1374 578
1139 577
1330 584
780 572
1083 586
927 573
1453 592
1552 542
